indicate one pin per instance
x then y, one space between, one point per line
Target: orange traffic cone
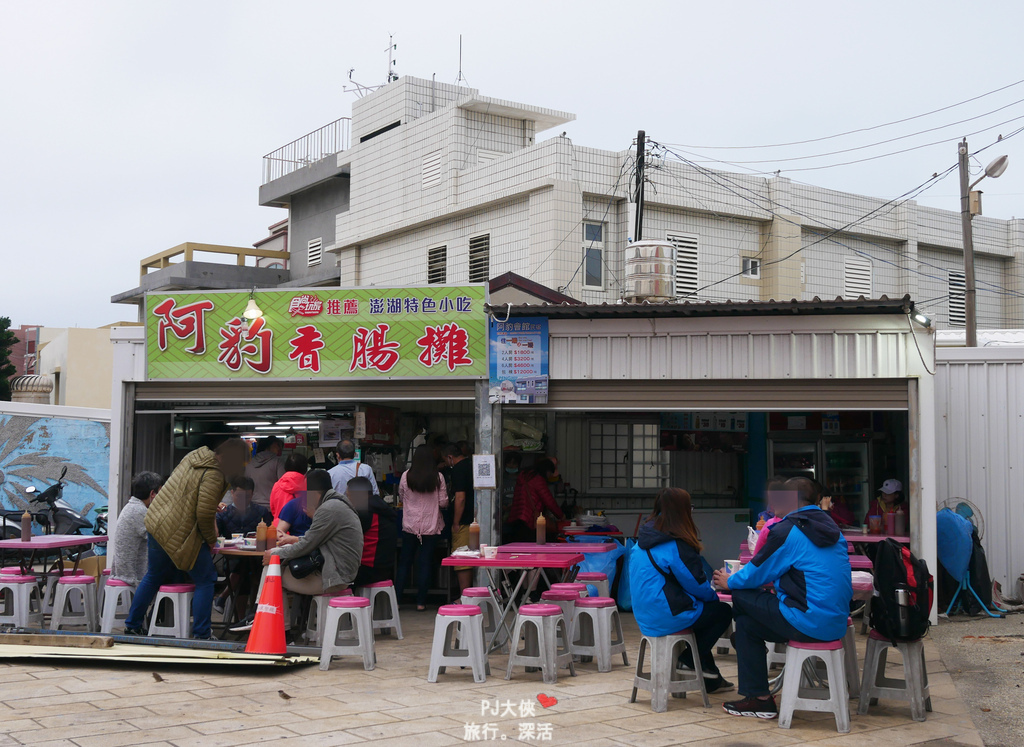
267 635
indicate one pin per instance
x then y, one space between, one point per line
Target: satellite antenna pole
392 47
462 78
361 90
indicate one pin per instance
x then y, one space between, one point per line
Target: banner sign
322 333
519 361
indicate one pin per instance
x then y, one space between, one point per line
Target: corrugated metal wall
979 397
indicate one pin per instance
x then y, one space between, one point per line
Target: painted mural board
321 333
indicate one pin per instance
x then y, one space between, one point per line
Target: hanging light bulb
252 309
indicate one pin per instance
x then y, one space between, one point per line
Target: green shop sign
333 333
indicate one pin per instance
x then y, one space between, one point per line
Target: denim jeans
758 619
708 628
161 570
409 546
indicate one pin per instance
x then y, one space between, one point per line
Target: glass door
795 458
847 476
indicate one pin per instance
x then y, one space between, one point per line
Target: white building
447 185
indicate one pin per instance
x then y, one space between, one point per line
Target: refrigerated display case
795 458
847 473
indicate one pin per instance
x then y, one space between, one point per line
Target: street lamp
970 205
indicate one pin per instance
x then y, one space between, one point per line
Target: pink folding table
47 542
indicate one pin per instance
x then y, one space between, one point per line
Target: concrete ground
105 705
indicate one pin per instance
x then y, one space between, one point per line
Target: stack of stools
467 619
912 688
798 695
664 678
50 592
597 580
580 589
338 640
481 597
596 630
384 606
25 609
538 624
567 601
117 602
318 616
177 621
65 613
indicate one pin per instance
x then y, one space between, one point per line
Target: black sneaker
718 684
218 604
756 707
245 626
134 631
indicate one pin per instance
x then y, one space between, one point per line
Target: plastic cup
732 566
489 551
875 524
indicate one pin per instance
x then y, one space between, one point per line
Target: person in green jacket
182 527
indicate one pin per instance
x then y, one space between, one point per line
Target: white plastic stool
50 592
383 606
596 579
665 679
580 589
26 606
850 659
117 602
64 612
567 601
318 615
179 598
538 624
832 699
467 619
913 688
481 597
776 654
597 631
356 611
104 576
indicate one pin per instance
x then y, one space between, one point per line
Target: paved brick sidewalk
106 706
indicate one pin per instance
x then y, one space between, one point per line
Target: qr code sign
483 469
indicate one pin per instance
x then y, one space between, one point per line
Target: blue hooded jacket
663 606
806 558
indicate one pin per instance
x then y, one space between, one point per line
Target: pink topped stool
481 597
65 613
117 601
597 631
23 606
172 611
565 599
466 621
913 688
537 626
384 606
353 639
596 579
10 570
580 589
800 695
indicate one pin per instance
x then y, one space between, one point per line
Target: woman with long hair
423 494
671 591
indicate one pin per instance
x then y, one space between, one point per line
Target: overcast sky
129 127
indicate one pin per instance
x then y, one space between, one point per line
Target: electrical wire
917 345
848 132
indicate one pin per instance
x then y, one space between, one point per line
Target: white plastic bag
752 535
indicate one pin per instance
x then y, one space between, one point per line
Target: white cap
892 486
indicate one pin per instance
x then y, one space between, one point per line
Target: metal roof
816 306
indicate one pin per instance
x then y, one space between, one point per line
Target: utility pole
970 292
641 144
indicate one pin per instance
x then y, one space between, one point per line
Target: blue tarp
955 546
600 562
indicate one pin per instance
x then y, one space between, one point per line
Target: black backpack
897 571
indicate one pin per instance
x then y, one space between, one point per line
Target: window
856 277
431 170
437 265
751 267
687 276
480 259
314 252
593 255
957 299
627 456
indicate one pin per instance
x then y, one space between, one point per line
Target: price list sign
519 361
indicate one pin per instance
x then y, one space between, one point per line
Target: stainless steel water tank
650 271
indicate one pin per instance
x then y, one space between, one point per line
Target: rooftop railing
317 145
240 253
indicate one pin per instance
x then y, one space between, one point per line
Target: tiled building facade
441 184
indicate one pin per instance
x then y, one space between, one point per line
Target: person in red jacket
291 484
531 498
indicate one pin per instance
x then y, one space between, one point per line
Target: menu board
519 361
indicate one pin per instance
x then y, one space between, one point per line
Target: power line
850 132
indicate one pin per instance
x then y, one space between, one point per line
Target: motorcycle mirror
63 472
30 489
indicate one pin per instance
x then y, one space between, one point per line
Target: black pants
758 619
713 621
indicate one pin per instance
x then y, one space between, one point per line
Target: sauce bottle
271 536
261 536
542 530
26 527
474 535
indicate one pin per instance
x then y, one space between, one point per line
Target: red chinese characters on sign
447 343
308 304
183 322
371 349
306 347
253 345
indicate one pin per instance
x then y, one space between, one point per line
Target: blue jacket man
805 558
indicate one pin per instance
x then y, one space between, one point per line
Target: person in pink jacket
423 494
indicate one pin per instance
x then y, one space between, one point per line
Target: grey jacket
337 532
130 551
265 469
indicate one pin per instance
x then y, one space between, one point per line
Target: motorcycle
55 514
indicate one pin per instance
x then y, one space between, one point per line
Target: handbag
307 564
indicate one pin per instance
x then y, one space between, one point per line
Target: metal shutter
314 252
437 265
432 169
687 263
856 277
480 258
957 299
